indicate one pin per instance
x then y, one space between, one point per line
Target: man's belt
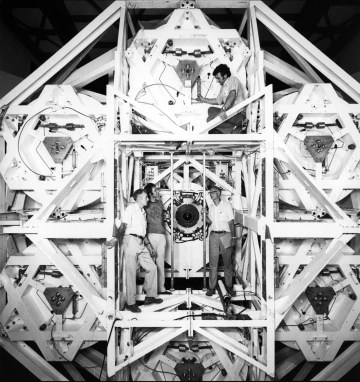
138 236
218 231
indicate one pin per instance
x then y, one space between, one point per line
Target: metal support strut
172 218
204 225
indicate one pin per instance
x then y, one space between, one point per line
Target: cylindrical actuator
198 86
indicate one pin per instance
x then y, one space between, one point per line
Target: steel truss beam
257 217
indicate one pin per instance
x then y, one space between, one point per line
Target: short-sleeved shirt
220 216
231 83
154 217
135 219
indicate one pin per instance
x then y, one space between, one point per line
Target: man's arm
118 236
208 221
229 102
211 101
230 99
149 246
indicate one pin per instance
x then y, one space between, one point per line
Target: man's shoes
152 300
210 292
165 292
133 308
231 292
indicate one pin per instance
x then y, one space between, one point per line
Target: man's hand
152 252
233 241
111 243
223 115
200 98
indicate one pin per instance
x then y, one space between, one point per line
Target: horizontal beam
198 138
306 229
65 230
326 184
253 223
174 4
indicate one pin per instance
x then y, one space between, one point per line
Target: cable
20 133
102 367
158 371
332 306
282 173
332 158
210 85
200 315
152 104
163 84
296 310
43 160
112 327
162 371
216 374
77 111
61 355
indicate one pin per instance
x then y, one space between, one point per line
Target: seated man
231 94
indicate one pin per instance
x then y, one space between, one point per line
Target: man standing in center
137 249
221 220
156 233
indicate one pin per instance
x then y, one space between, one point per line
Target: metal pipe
130 176
204 225
224 297
120 200
172 218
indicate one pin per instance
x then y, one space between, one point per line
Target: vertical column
121 80
109 209
269 219
237 201
3 250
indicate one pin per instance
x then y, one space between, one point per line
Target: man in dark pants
231 94
221 220
156 233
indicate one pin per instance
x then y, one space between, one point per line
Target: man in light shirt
221 221
137 248
231 94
